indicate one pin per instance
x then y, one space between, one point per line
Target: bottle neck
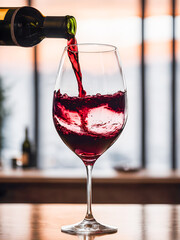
26 134
57 27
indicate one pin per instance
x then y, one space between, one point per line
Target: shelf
79 176
69 186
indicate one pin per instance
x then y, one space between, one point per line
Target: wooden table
134 222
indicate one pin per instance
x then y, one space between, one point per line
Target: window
16 72
177 34
158 57
148 135
108 24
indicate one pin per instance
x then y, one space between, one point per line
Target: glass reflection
15 222
174 223
86 237
43 222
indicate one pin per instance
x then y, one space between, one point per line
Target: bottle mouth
91 48
71 25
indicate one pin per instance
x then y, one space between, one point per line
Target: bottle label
25 159
3 13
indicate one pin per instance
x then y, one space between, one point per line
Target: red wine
89 125
73 57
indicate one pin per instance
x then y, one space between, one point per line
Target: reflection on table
43 222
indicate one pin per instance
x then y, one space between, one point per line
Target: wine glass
89 112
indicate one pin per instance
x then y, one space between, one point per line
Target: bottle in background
26 159
26 26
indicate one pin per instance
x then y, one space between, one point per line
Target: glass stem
89 215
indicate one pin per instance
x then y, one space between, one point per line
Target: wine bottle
26 160
26 26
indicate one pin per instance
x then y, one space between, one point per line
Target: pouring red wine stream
73 57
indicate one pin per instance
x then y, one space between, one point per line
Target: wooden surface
79 176
134 222
142 187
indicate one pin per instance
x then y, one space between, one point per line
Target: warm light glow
90 9
3 13
158 8
123 32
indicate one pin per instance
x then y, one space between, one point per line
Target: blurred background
147 34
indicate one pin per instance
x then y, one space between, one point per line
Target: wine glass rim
109 48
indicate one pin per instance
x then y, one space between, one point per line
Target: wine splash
89 125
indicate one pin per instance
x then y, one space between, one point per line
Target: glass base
88 227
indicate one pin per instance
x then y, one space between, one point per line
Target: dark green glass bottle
26 151
26 26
